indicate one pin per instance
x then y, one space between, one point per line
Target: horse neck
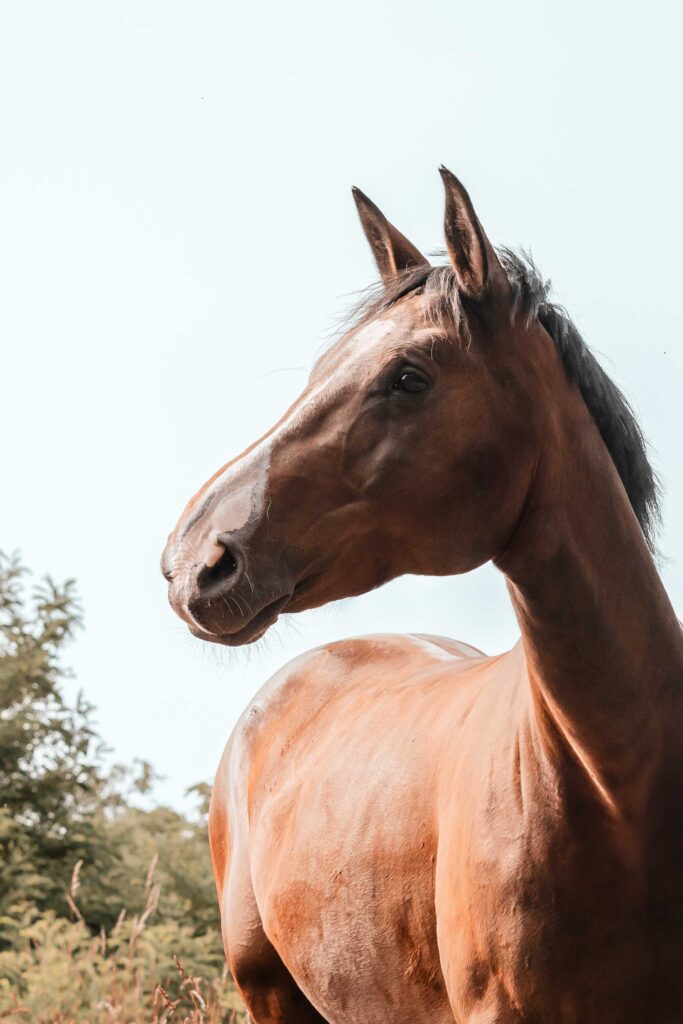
603 647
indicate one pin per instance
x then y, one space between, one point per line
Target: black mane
609 408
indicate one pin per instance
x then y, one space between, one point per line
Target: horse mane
608 406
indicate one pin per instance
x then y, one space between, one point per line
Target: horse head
410 450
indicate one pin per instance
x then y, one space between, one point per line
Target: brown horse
402 829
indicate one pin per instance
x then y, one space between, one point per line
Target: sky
178 240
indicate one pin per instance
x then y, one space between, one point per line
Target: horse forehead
366 347
373 337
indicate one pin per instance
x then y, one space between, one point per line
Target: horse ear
473 258
392 250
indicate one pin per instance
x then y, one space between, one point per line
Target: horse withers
402 829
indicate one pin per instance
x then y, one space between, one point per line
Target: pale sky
178 235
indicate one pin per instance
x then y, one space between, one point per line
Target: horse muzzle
220 602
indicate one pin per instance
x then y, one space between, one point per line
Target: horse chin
251 631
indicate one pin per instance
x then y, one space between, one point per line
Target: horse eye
410 381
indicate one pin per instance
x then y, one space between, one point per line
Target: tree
59 807
50 785
98 895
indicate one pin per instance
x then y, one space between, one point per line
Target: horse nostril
226 570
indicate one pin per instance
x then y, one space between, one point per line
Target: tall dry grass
57 972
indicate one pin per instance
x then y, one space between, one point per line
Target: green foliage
50 787
97 894
162 842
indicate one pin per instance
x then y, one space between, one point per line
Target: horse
401 828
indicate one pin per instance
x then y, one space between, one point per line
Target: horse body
387 796
403 829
